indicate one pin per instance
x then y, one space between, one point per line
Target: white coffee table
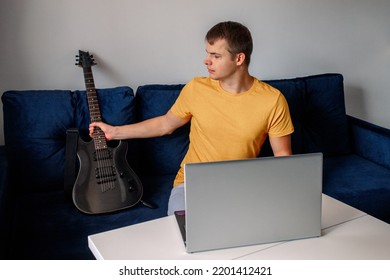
347 233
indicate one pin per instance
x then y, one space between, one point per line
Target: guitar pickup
102 154
105 172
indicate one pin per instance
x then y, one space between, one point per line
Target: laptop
251 201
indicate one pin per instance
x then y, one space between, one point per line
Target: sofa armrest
3 178
4 204
370 141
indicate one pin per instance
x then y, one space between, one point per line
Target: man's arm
281 146
154 127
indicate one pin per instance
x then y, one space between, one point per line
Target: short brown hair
237 36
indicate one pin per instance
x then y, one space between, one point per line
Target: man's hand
108 130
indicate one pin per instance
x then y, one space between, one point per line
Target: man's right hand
108 130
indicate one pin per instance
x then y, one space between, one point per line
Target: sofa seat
56 225
358 182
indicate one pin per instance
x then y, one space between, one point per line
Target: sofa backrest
35 125
318 113
161 155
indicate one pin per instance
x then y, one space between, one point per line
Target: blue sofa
38 221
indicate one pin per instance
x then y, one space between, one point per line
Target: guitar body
105 182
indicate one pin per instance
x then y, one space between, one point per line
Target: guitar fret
94 109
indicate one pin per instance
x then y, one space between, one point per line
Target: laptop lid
252 201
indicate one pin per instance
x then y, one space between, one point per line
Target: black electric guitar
105 182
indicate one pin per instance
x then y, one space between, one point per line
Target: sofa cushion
160 155
117 107
294 92
325 123
35 124
318 113
371 141
359 183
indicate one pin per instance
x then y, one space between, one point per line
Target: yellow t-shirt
226 126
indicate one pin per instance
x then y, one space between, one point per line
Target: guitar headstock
85 60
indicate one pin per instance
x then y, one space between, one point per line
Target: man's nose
207 61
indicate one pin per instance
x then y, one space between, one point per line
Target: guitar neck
94 109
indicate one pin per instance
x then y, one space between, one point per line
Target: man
231 112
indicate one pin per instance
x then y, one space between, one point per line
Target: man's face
219 61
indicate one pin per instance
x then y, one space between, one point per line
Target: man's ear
240 59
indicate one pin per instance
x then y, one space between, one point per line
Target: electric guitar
105 181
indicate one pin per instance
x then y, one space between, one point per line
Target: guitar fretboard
94 109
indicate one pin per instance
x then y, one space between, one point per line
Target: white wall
150 41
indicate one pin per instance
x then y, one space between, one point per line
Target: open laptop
251 201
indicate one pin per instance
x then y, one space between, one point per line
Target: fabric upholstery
371 142
160 155
294 92
35 125
4 205
359 182
117 107
57 230
325 120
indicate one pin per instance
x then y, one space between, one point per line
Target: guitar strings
105 169
105 173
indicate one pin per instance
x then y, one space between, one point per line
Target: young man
231 112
